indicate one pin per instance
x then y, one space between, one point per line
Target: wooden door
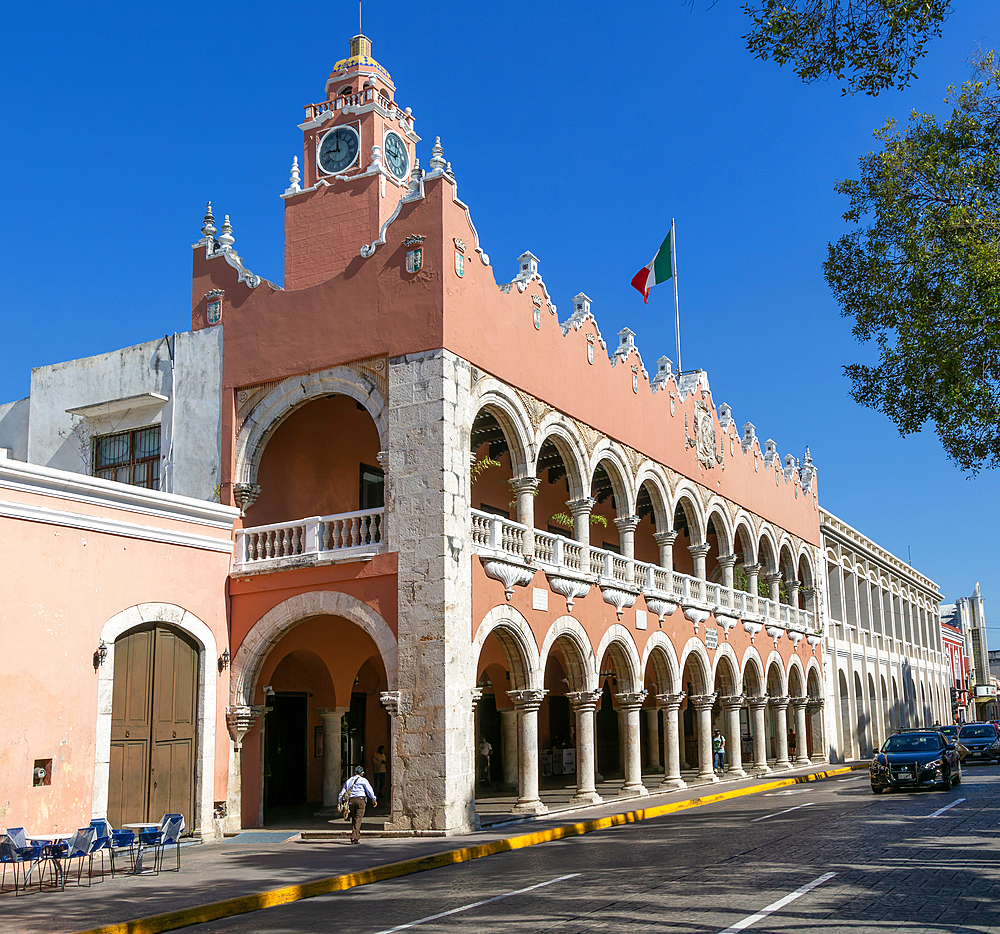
153 717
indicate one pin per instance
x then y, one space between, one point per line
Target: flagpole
677 307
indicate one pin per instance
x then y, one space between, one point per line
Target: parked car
982 741
915 759
950 730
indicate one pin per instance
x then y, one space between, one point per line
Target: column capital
627 523
527 701
630 700
817 702
703 701
582 700
773 578
779 703
807 591
392 701
476 695
727 561
245 495
383 459
524 484
332 711
729 701
701 550
240 721
671 700
758 701
752 568
800 702
581 507
795 584
665 538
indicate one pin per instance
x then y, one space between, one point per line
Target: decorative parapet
663 373
223 246
527 272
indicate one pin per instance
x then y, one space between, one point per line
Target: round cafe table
48 853
139 828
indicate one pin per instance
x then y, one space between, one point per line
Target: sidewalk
257 861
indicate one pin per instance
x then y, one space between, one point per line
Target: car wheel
957 777
945 783
877 789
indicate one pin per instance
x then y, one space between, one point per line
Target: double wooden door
153 725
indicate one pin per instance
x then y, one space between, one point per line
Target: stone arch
618 640
767 550
291 394
716 514
268 630
727 666
510 413
796 678
786 560
752 673
774 671
659 652
563 434
580 663
814 679
743 531
144 614
805 569
695 651
651 476
518 642
607 454
687 498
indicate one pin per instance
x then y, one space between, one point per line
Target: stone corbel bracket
568 587
775 633
795 637
661 606
752 629
509 574
726 621
697 615
618 598
813 642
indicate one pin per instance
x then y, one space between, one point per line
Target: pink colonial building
460 518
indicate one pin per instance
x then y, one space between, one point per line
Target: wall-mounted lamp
100 655
268 690
224 660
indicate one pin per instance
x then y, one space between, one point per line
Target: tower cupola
360 62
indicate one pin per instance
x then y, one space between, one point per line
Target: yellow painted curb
172 920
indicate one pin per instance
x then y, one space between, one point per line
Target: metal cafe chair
116 842
22 855
171 827
82 845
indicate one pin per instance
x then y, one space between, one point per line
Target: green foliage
870 44
921 277
740 582
481 465
565 521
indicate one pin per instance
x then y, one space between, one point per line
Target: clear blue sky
576 130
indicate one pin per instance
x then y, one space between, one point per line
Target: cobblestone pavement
901 863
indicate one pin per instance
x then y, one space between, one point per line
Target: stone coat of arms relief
704 441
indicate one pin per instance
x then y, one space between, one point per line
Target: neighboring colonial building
460 517
953 642
885 662
968 616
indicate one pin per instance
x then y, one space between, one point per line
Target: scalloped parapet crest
223 246
527 272
626 347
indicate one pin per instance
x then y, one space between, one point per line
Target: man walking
357 792
718 751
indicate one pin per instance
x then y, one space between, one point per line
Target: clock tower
359 149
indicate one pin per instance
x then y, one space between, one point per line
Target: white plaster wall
14 428
54 440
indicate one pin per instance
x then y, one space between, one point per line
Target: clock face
338 149
396 156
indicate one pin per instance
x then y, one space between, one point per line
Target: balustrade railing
564 555
366 96
345 534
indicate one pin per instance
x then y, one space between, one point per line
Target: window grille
129 457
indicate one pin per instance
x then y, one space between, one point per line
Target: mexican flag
659 270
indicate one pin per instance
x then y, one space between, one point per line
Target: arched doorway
154 714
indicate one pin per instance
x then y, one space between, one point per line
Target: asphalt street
829 857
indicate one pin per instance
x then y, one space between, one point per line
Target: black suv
915 759
981 740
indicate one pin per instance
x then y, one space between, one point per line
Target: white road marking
778 813
469 907
941 811
780 903
781 794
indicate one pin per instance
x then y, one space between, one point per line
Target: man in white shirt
357 792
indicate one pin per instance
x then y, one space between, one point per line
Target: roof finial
226 238
294 178
208 228
437 155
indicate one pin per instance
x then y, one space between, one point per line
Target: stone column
631 704
793 593
477 696
809 602
780 707
817 751
508 742
240 720
727 563
584 704
757 707
703 704
580 509
525 489
732 704
653 737
527 703
773 582
671 704
665 542
392 701
626 534
332 766
699 553
801 735
751 571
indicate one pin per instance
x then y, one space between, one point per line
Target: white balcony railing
339 537
555 554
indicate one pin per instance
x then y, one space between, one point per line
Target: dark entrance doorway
153 716
489 729
285 749
606 722
355 723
